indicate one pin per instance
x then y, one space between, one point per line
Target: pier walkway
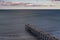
39 34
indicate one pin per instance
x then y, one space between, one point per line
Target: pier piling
41 35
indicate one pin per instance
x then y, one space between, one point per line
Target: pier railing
41 35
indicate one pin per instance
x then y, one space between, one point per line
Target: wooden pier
39 34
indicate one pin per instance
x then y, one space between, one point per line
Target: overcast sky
29 1
32 1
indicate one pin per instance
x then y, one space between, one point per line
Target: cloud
14 4
22 4
17 4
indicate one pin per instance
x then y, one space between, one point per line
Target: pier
38 33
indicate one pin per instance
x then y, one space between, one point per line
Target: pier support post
39 33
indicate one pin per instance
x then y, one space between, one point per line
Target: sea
12 22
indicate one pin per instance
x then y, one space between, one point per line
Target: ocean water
12 22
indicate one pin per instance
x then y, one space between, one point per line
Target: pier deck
39 34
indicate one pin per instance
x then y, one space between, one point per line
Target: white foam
56 34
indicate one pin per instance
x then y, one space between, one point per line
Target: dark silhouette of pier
39 34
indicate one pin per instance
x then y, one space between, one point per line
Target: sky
28 1
32 1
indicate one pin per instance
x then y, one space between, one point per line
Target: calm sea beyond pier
12 23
